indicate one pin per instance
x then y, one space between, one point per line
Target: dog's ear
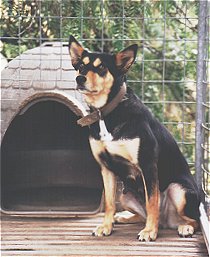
75 50
125 58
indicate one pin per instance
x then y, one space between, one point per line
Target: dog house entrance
47 164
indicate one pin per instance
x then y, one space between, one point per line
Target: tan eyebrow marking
86 60
97 62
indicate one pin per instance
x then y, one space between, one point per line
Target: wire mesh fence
164 74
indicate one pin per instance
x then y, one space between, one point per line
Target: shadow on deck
72 237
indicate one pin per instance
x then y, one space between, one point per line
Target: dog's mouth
84 90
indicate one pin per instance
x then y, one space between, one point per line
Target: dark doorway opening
47 164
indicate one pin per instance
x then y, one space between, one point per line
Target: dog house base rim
52 214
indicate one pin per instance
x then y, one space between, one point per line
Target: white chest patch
126 148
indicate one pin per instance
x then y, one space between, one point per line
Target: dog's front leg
109 180
149 233
148 164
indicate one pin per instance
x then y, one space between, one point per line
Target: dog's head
98 74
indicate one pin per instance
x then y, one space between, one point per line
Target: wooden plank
131 235
110 247
82 230
113 248
90 241
81 233
60 236
101 252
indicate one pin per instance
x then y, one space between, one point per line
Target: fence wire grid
164 74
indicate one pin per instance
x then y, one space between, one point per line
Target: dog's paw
185 230
147 235
103 230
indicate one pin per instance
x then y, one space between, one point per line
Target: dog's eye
102 70
101 67
81 67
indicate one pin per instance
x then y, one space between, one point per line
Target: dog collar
98 114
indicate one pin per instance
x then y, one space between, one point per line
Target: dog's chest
126 148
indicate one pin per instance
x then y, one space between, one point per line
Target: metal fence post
200 91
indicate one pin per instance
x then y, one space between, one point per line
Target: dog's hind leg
186 203
135 213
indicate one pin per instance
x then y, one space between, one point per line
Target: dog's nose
80 80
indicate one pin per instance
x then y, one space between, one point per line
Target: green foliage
166 32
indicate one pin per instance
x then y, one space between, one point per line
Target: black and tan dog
128 142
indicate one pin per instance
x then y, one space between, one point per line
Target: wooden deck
72 237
